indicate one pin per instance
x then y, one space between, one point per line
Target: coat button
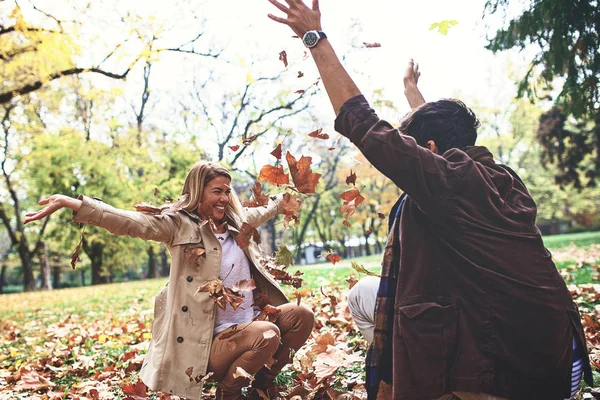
179 339
184 308
189 279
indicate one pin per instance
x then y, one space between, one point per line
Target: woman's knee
268 335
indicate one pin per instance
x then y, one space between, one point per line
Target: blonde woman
199 231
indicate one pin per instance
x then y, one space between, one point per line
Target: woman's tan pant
259 344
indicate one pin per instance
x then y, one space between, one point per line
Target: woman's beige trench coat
183 324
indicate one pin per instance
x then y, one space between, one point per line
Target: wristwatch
311 38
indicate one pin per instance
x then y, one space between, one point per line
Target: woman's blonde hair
193 188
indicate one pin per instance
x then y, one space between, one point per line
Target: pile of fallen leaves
89 343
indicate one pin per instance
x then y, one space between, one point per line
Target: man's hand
411 91
299 17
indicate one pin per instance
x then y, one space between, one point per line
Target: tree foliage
566 68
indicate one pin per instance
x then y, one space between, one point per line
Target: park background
118 99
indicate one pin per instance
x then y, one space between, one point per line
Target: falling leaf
147 208
269 313
137 391
331 149
248 140
317 134
381 215
258 198
189 371
299 91
371 45
75 256
235 147
351 179
273 175
197 379
368 232
359 268
269 334
212 287
443 26
331 256
261 300
194 254
347 223
245 285
241 373
333 299
352 195
155 192
284 256
351 282
283 57
277 152
304 179
247 232
300 74
291 208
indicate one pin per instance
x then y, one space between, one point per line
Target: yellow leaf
13 353
249 79
147 335
102 338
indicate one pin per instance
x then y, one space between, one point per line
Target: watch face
310 39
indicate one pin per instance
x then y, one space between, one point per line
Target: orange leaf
248 140
299 91
269 313
317 134
283 57
331 256
277 152
247 232
304 179
137 391
351 282
351 179
258 199
345 222
291 208
75 256
234 148
352 194
274 175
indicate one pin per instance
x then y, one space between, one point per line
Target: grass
583 239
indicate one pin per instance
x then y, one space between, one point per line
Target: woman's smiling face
215 199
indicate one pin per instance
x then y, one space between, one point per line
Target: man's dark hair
448 122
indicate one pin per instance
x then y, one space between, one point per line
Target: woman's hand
53 204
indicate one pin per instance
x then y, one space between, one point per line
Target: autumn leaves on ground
90 342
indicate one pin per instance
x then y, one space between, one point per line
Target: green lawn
554 242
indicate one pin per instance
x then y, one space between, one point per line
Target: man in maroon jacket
470 303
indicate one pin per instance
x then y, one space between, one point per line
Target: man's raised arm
302 19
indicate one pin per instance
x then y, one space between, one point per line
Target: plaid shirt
379 355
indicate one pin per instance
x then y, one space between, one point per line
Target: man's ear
432 146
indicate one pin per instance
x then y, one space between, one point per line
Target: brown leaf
75 256
258 198
368 232
246 285
347 223
371 45
189 371
351 179
241 373
269 313
147 208
261 300
351 282
331 149
304 179
283 57
300 74
247 232
334 300
274 175
155 192
235 147
317 134
352 194
248 140
331 256
277 152
194 254
291 209
34 381
137 391
299 91
381 215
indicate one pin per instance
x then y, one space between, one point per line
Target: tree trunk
95 253
45 266
367 246
2 278
28 279
164 260
152 264
56 277
82 277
